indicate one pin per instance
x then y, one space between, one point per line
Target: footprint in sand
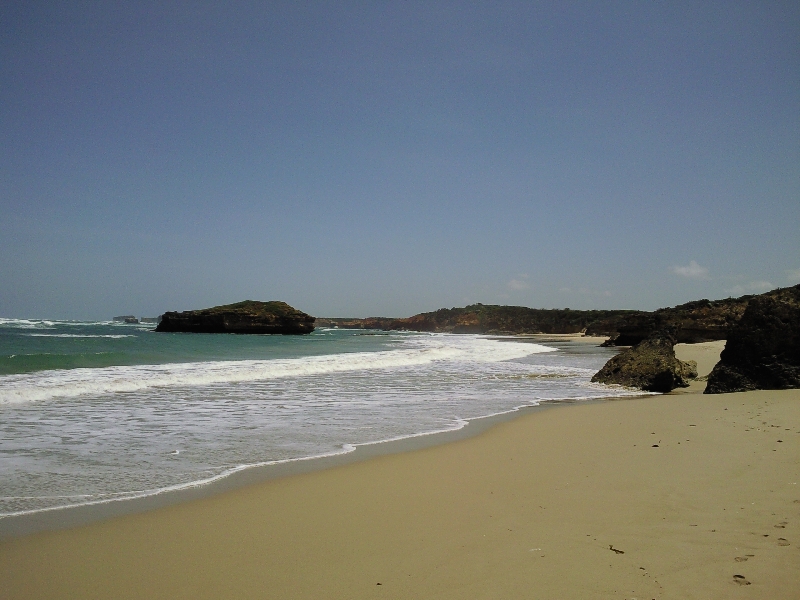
783 542
740 580
740 559
781 525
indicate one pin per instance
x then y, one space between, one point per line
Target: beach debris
740 579
615 550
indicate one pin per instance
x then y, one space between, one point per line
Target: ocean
96 412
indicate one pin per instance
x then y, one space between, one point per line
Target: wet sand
675 496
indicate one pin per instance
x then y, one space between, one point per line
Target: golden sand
675 496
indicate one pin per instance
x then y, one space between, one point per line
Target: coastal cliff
492 319
249 316
698 321
693 322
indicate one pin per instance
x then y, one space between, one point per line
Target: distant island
250 316
130 319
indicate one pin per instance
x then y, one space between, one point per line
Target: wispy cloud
520 283
585 292
754 287
793 275
692 271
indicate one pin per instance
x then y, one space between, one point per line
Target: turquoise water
101 412
27 345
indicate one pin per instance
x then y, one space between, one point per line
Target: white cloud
692 270
586 292
520 283
760 286
793 275
754 287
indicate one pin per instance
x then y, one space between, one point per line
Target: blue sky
358 159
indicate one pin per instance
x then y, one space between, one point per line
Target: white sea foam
47 323
416 351
95 499
76 335
127 432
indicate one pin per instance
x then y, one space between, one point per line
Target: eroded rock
650 365
763 348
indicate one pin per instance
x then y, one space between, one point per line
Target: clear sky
390 158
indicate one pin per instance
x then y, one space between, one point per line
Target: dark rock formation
249 316
485 318
763 348
650 365
698 321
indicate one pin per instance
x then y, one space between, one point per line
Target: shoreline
68 517
76 515
664 496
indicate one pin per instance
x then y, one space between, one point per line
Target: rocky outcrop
698 321
249 316
650 365
763 348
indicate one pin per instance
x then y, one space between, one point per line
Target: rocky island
250 316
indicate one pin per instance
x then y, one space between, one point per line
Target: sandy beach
674 496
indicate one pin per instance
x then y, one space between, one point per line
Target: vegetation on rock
698 321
